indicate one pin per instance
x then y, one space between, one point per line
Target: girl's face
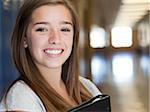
49 36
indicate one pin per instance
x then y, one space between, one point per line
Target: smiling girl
44 49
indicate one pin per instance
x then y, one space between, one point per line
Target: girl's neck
52 76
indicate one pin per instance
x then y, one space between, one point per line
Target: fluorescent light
135 1
135 7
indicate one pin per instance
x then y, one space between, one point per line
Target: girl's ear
25 42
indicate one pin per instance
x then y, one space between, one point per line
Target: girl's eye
41 30
65 29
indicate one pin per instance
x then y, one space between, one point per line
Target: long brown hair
52 101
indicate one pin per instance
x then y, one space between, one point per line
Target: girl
44 49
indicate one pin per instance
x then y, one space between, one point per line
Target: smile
53 51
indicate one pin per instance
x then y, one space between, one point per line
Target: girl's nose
54 37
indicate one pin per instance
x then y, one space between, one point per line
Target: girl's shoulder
21 97
90 86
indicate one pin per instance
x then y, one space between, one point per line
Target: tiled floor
125 79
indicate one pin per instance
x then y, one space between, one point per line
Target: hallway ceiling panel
131 12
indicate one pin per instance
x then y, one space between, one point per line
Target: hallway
122 73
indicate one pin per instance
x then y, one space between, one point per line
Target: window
97 37
121 36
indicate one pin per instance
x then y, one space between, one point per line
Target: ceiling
104 12
109 13
132 11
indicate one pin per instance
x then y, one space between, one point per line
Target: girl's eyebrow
63 22
66 22
41 23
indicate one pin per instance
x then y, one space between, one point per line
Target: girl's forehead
52 9
49 7
51 12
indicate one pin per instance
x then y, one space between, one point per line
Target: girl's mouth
53 51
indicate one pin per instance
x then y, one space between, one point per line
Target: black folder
100 103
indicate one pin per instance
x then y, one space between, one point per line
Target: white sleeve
21 97
90 86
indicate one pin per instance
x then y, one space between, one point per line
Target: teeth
53 51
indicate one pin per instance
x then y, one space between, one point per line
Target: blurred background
114 49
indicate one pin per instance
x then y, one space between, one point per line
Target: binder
99 103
